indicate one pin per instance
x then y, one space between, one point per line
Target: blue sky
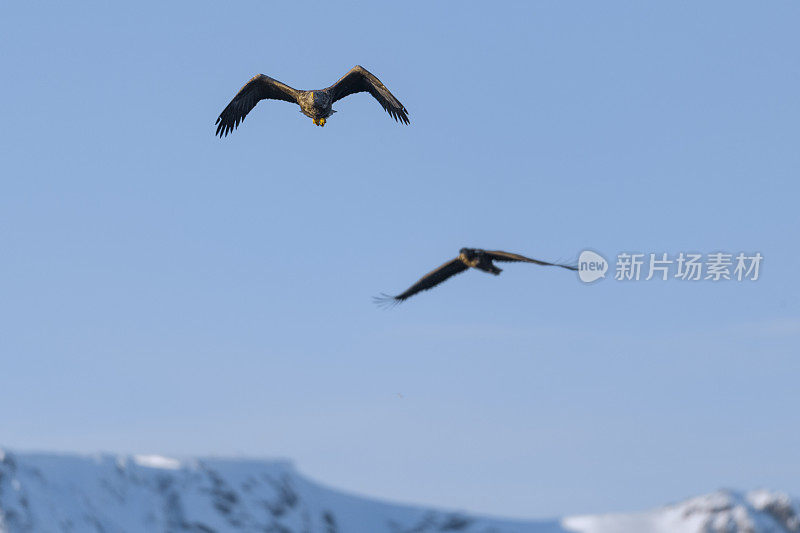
167 291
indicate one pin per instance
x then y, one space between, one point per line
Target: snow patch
157 461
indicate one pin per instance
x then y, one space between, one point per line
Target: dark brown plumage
315 104
467 258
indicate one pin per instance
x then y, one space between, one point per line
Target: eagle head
468 253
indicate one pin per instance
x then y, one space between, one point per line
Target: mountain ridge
49 492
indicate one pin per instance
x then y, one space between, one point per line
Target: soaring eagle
314 104
467 258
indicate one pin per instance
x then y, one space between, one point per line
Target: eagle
467 258
315 104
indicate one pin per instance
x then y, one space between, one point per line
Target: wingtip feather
386 301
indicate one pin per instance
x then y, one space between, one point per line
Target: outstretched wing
258 88
509 257
428 281
359 80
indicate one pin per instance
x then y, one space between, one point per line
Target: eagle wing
428 281
258 88
509 257
359 80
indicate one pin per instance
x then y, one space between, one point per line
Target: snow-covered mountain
759 511
104 493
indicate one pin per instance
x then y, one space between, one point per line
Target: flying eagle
467 258
314 104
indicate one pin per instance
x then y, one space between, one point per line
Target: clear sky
166 291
